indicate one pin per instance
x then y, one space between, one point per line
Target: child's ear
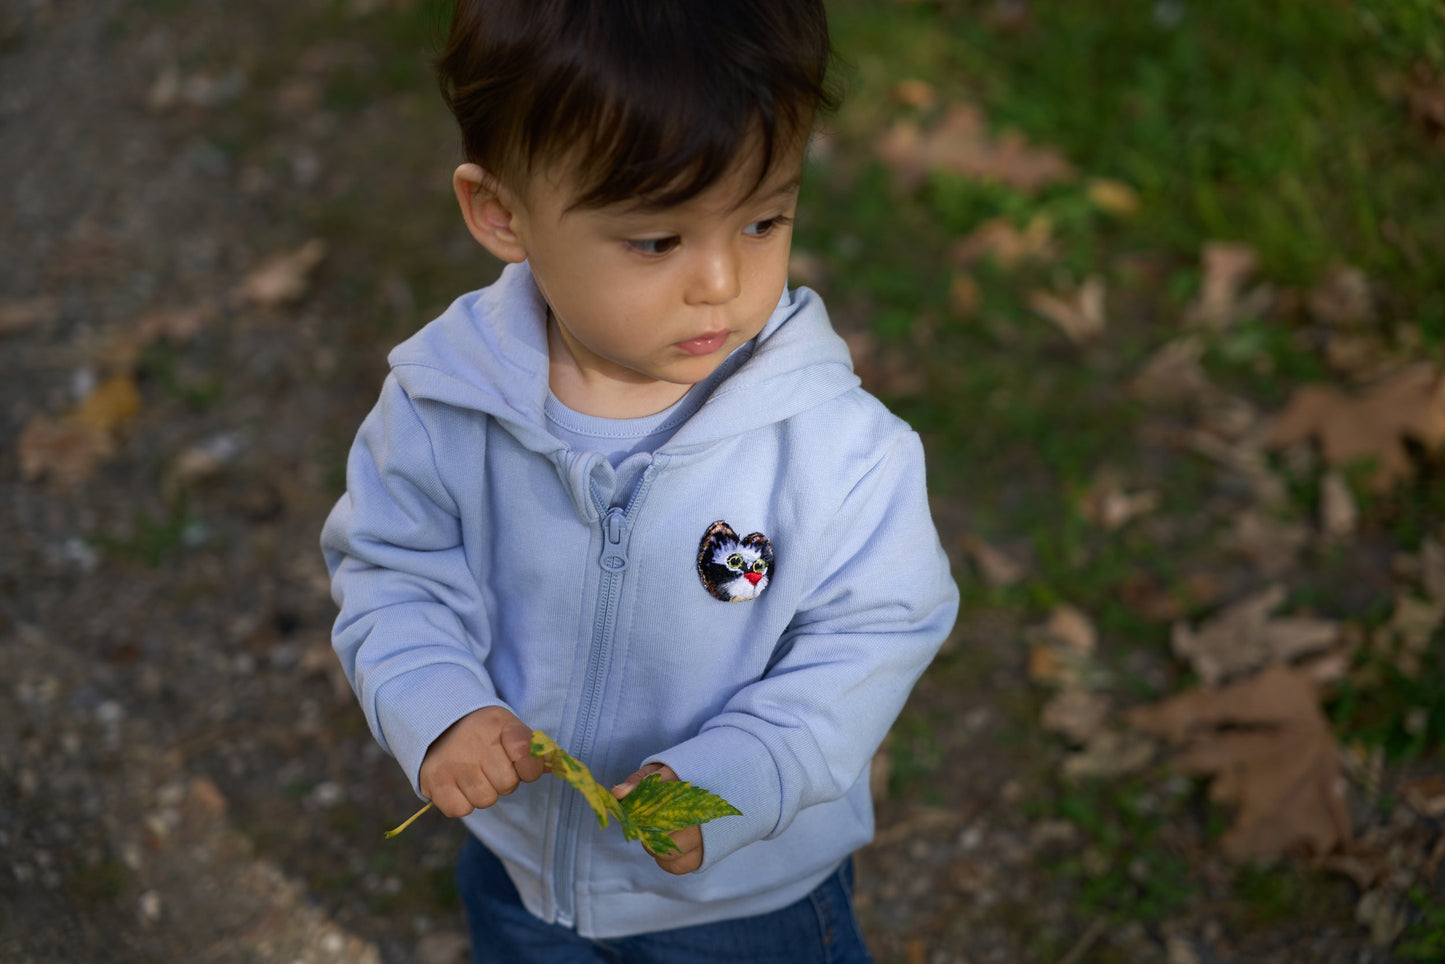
487 209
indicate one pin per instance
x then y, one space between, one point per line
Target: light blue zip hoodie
478 561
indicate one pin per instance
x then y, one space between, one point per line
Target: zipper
616 525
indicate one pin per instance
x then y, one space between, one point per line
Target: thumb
627 786
517 741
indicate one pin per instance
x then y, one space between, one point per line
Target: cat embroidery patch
733 569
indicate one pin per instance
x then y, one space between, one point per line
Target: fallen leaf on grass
1114 197
1109 754
1227 266
1173 373
999 240
70 448
997 569
1342 299
1079 314
1271 544
1339 513
915 93
1405 638
1426 93
1110 507
1244 637
1272 756
280 279
1076 714
1373 425
1432 568
961 144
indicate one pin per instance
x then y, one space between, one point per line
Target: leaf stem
408 822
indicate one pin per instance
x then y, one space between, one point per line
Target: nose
716 277
753 577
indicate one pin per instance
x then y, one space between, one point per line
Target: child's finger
627 786
516 740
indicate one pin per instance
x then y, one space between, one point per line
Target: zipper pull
614 553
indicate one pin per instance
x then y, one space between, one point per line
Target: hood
488 352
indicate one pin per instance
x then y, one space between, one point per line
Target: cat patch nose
752 577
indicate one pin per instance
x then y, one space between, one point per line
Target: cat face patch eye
734 569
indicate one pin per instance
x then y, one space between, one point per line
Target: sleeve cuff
414 709
736 766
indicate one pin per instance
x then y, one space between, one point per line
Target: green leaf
647 813
656 806
569 768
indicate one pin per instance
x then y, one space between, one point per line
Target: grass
1281 126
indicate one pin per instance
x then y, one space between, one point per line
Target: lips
703 344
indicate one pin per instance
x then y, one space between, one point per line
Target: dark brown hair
646 100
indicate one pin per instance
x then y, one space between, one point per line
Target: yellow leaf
70 448
1114 197
569 768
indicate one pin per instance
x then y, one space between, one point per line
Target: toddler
632 495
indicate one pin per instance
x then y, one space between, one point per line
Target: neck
603 391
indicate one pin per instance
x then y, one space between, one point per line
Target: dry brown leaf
1109 754
997 239
282 278
70 448
915 93
1079 314
1076 714
1371 425
1244 637
1272 756
1339 513
884 369
17 315
62 449
1273 545
961 144
964 296
1108 506
1405 639
806 268
1227 265
1173 373
996 568
1432 568
122 349
1426 93
1070 627
1342 298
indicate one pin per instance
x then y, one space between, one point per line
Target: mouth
703 344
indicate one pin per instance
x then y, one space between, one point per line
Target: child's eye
765 227
653 245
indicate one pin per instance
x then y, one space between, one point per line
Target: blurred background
1160 282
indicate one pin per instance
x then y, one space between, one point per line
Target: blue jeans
819 929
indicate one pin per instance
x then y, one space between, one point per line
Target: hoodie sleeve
406 593
882 603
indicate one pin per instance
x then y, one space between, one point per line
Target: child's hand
479 759
689 839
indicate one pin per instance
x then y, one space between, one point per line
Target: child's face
647 302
